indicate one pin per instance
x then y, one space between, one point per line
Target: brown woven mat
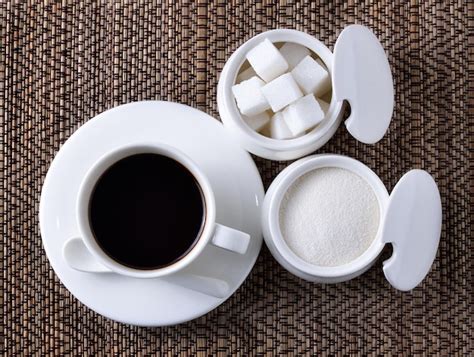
61 65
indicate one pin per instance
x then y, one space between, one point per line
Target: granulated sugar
329 216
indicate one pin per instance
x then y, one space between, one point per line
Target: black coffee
147 211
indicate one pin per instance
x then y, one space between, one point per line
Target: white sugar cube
278 127
249 96
267 61
246 74
294 53
281 91
324 105
258 121
303 114
311 77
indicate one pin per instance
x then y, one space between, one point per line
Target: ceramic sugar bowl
360 75
409 219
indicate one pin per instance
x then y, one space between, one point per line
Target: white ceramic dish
360 75
238 194
410 221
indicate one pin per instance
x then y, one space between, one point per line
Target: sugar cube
311 77
246 74
249 96
278 127
267 61
258 121
294 53
281 91
324 105
303 114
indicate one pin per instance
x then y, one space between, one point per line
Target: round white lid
412 224
361 76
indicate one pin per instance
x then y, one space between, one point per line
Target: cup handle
230 239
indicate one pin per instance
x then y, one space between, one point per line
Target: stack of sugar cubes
279 95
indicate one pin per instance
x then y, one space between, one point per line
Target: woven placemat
61 64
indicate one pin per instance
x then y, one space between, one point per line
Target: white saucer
233 176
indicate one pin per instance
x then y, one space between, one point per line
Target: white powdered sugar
329 216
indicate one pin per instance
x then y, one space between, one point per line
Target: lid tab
413 225
361 75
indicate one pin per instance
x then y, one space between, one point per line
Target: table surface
61 64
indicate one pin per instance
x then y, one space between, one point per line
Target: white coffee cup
84 254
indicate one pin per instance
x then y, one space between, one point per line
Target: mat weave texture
61 63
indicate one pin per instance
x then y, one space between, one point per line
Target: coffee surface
147 211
